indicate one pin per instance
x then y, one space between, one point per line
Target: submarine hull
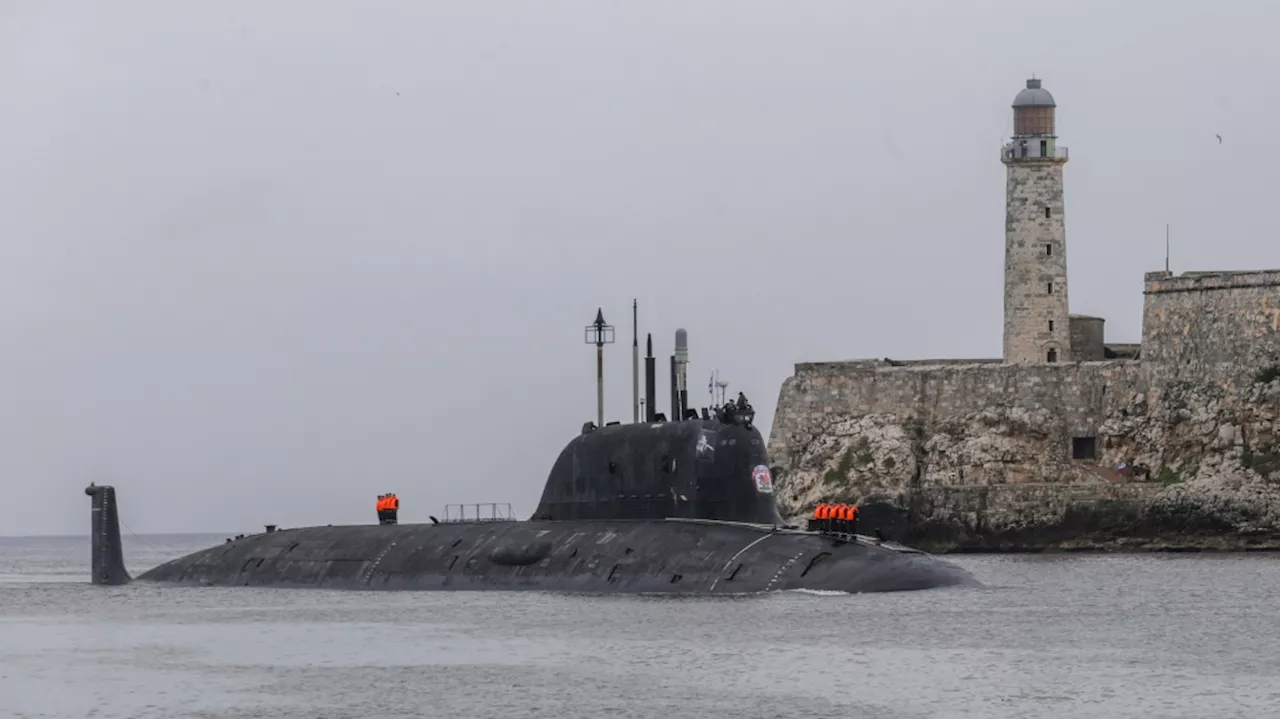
665 507
689 556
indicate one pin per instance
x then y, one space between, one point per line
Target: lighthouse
1036 323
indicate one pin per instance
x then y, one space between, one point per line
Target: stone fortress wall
1216 326
1173 441
1066 401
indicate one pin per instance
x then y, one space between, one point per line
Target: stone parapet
1220 327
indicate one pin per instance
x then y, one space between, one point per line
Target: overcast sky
262 261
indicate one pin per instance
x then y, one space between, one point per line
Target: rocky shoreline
993 481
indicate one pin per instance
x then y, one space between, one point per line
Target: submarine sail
696 469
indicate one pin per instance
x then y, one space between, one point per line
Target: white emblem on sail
703 445
763 479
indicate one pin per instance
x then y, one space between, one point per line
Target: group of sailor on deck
388 507
841 518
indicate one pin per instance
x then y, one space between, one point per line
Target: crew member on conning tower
740 412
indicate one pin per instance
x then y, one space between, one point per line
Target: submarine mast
635 361
682 368
599 334
644 407
650 400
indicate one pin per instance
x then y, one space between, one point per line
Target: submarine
685 506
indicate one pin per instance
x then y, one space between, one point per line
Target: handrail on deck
479 512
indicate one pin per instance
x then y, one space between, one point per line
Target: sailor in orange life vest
819 515
388 507
841 518
823 517
846 516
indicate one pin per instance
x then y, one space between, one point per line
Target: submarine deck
639 555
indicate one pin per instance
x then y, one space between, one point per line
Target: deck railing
479 512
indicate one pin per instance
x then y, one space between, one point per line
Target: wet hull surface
632 556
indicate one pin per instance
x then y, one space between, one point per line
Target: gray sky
260 262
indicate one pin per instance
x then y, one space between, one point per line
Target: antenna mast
599 334
635 361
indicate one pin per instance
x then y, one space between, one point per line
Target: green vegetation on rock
841 472
1265 460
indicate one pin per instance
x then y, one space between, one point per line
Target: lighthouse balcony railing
482 512
1031 153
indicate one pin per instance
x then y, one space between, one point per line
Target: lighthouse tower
1036 323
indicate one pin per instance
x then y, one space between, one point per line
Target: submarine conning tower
693 469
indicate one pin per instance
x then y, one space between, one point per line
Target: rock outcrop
989 457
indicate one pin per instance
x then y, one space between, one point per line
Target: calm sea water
1103 636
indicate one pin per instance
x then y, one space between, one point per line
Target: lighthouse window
1046 212
1048 250
1050 288
1050 325
1052 356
